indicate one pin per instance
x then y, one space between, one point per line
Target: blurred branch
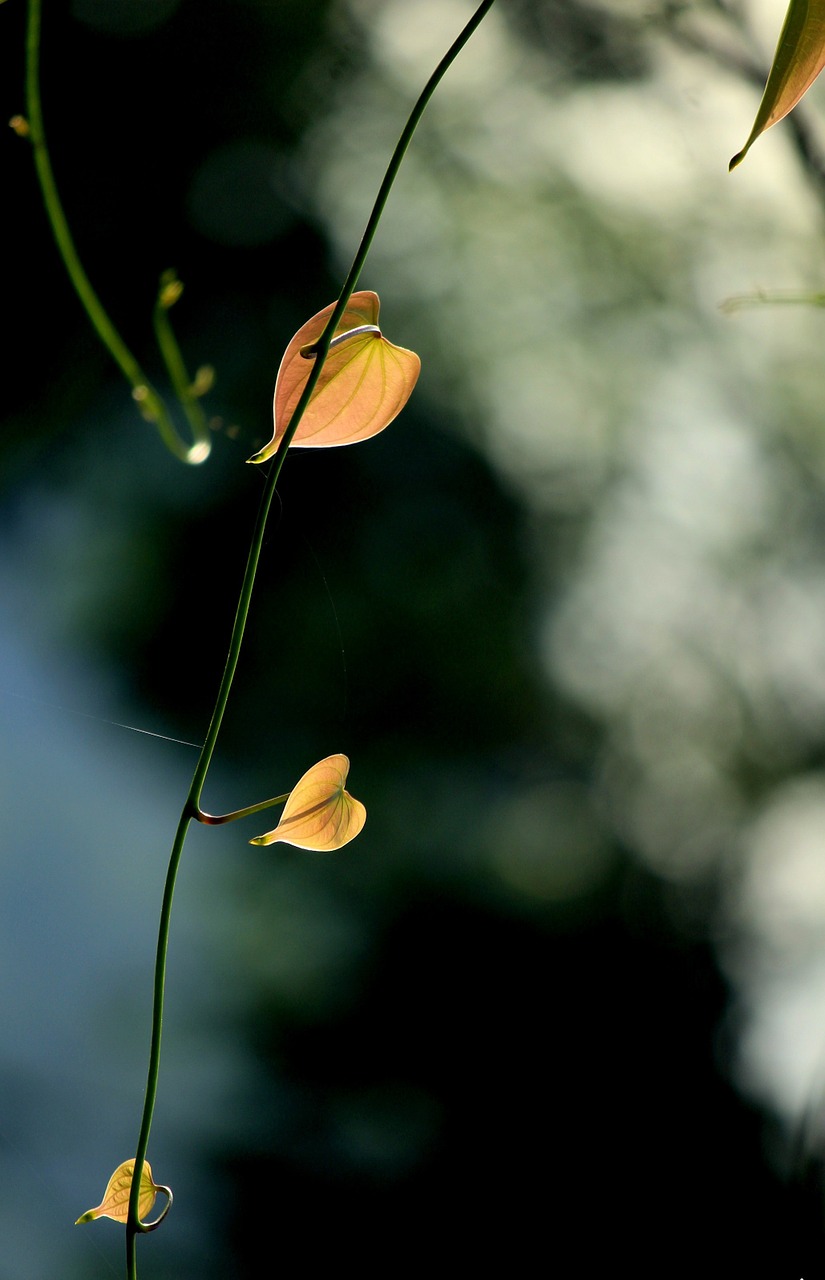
187 391
152 405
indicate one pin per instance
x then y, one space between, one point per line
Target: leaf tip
737 159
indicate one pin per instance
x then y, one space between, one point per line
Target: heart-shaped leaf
319 813
799 58
364 384
115 1202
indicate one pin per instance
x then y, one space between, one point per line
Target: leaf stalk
215 820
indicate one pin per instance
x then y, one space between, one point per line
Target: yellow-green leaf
799 58
364 384
115 1202
319 813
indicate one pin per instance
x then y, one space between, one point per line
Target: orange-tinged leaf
319 813
364 384
115 1202
799 58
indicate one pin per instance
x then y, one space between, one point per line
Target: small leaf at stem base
115 1202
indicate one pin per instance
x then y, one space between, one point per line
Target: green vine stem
191 809
151 404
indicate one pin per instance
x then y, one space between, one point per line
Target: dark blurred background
563 1002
